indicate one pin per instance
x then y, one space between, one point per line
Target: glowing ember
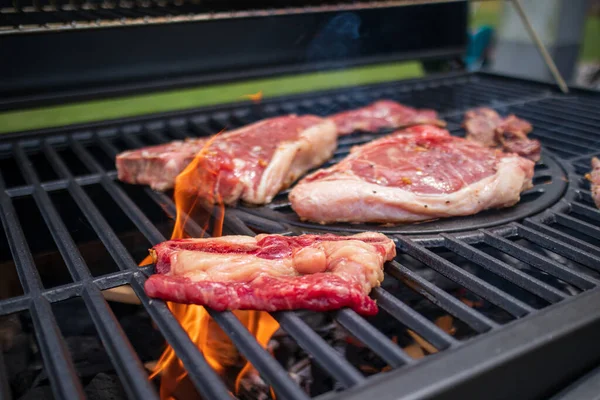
216 346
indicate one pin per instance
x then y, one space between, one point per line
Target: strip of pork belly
158 166
594 178
255 162
487 127
272 272
417 174
383 114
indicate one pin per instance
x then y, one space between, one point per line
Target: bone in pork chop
416 174
158 166
272 272
594 178
252 163
485 126
383 114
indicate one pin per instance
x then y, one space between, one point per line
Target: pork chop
272 272
158 166
383 114
594 178
486 127
252 163
416 174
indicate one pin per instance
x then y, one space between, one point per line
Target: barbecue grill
537 263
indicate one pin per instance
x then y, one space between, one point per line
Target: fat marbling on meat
252 163
383 114
158 166
272 272
416 174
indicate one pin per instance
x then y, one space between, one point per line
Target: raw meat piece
272 272
416 174
255 162
594 178
158 166
252 163
383 114
485 126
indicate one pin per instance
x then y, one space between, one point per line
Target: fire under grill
520 285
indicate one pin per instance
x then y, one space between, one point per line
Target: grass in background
485 13
591 42
201 96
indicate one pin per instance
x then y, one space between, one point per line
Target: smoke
338 39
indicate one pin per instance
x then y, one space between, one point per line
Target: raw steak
416 174
158 166
252 163
272 272
485 126
383 114
594 178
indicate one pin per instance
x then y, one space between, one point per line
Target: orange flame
215 345
255 97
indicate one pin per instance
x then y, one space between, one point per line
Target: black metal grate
542 271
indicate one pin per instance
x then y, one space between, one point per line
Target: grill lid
123 57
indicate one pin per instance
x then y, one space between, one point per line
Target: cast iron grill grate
540 267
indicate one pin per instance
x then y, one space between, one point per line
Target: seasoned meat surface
272 272
415 174
158 166
487 127
252 163
383 114
594 178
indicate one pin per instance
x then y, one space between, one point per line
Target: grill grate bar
413 320
205 379
64 292
28 274
540 262
504 270
564 249
58 364
132 210
552 117
127 364
67 248
586 211
437 296
478 286
92 214
570 111
372 338
573 241
269 368
329 359
580 226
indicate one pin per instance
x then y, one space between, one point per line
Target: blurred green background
483 13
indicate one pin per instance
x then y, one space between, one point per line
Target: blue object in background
479 42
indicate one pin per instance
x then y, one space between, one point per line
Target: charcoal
147 341
18 357
105 387
38 393
10 328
